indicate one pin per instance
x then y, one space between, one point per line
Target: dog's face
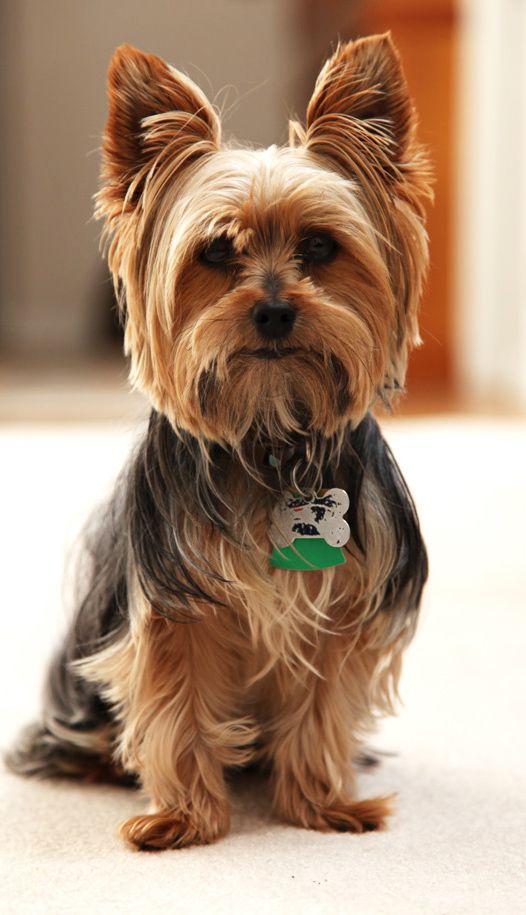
266 292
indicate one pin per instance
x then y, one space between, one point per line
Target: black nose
273 319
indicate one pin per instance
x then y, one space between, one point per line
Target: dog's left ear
361 114
361 121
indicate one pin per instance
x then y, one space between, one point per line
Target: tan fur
286 666
280 673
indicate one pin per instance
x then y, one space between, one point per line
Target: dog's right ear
154 112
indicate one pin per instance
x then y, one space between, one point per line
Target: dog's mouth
267 353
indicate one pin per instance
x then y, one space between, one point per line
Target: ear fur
362 122
361 97
152 108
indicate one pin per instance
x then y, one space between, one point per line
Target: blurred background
465 62
67 422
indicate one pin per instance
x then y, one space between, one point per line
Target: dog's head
266 291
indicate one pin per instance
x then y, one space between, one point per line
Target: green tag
307 555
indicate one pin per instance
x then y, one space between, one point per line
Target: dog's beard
278 448
276 398
316 381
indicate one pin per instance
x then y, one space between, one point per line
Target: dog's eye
317 249
217 252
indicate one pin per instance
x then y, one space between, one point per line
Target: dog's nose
273 319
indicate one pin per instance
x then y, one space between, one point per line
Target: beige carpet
457 843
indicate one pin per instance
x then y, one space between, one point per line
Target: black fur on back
368 454
168 480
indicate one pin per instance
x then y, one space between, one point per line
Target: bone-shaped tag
296 517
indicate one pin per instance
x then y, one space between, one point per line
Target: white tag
297 517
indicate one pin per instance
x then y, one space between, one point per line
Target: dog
269 299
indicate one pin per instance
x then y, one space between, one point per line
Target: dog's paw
344 816
357 816
171 829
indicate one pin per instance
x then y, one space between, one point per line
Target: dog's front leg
174 684
312 741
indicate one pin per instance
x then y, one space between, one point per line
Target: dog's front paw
173 829
341 816
357 816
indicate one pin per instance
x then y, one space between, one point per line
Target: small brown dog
269 298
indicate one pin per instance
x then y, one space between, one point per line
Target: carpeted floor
456 752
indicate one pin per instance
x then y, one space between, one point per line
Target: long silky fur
188 652
143 541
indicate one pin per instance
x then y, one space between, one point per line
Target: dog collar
308 533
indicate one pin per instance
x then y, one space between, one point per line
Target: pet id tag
308 533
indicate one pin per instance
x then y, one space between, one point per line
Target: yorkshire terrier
257 574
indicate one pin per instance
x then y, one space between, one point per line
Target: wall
54 57
491 313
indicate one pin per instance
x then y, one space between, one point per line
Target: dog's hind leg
53 748
75 735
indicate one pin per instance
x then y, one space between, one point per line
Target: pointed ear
361 106
152 109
